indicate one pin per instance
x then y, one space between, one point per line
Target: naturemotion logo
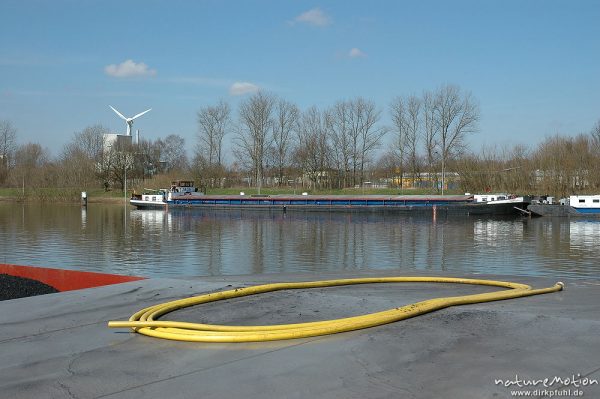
555 386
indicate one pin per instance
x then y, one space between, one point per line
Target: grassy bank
64 195
73 195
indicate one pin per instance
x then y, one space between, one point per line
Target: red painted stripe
65 280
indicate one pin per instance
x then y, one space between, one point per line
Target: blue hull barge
576 206
183 194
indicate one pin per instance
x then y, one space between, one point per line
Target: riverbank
58 344
59 195
92 200
71 195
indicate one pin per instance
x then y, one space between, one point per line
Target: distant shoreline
95 195
57 200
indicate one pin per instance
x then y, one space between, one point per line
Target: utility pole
443 171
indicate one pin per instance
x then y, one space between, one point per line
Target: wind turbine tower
129 121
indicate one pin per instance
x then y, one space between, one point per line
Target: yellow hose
145 321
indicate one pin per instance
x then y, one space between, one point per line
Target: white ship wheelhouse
584 201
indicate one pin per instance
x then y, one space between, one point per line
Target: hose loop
146 320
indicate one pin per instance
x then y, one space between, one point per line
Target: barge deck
409 204
58 345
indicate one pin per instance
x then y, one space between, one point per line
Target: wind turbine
129 121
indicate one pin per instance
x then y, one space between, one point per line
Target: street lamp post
443 171
259 177
125 184
127 164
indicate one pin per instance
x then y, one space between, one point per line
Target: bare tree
337 123
285 122
172 153
595 134
595 155
406 117
7 148
566 165
456 115
80 158
213 122
386 168
116 161
365 117
255 125
212 127
146 159
355 135
31 161
555 164
414 105
584 163
90 141
400 119
313 151
518 170
430 130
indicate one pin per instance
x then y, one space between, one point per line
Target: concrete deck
58 345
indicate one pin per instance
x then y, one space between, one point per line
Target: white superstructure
497 198
159 198
584 201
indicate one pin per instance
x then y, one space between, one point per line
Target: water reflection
495 232
584 235
187 242
83 217
152 219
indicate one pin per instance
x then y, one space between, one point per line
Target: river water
187 242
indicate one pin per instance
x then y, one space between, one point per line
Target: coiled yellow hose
145 321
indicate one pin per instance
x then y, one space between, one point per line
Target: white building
111 141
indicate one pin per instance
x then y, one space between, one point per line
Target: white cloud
356 53
240 88
128 69
314 17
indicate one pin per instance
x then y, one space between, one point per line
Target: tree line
335 147
85 162
273 142
558 166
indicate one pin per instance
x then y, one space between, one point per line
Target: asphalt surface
12 287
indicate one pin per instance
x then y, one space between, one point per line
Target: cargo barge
577 206
184 194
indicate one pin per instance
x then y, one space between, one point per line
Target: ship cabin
491 197
183 186
584 201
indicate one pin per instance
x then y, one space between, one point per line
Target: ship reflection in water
497 232
585 236
160 220
193 242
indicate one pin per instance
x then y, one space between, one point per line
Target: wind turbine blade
118 113
140 114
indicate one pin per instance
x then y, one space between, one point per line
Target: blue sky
534 66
